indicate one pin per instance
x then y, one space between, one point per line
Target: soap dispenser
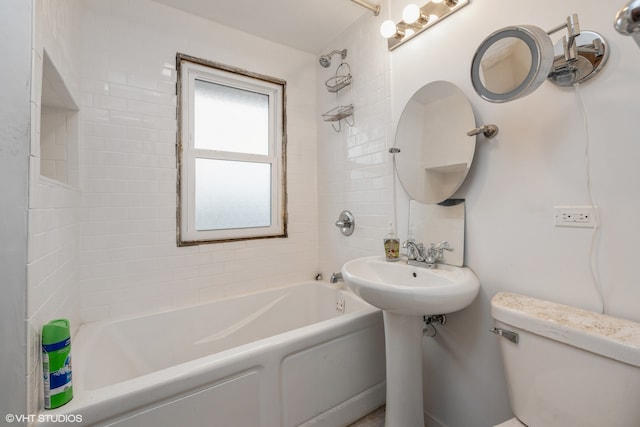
392 245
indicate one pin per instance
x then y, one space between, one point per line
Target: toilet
567 367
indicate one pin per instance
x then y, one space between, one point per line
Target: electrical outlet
340 303
575 216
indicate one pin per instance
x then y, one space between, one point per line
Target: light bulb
411 13
388 29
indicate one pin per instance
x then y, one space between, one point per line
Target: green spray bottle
56 363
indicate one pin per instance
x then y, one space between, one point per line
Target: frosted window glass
230 119
232 194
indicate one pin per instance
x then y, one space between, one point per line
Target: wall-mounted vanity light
417 19
514 61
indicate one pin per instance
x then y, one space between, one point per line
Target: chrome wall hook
488 131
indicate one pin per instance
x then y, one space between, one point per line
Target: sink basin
401 288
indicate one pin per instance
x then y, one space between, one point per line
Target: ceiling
307 25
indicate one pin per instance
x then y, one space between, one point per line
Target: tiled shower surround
129 260
105 246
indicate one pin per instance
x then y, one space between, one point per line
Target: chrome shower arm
325 60
343 53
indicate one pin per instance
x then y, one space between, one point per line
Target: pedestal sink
406 293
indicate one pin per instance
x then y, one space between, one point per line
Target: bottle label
392 249
56 366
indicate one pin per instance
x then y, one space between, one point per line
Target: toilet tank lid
608 336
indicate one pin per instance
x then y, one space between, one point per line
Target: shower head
325 60
628 20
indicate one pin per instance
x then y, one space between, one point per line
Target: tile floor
374 419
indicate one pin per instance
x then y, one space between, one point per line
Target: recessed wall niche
58 127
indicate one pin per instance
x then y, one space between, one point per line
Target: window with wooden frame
231 153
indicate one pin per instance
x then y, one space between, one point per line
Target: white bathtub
282 357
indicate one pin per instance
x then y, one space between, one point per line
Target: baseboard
431 421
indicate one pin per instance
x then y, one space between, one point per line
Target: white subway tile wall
105 247
355 168
52 288
129 260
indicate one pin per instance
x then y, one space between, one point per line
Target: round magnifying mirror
512 63
435 150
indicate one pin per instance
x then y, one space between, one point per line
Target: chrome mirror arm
488 131
569 41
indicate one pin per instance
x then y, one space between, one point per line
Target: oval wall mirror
435 150
511 63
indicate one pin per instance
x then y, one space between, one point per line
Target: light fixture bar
374 8
433 12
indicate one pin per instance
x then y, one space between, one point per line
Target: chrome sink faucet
415 251
435 253
420 256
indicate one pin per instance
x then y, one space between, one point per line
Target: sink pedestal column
403 338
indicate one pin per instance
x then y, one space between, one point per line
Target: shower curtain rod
374 8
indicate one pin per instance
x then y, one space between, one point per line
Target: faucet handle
415 251
445 245
435 252
407 242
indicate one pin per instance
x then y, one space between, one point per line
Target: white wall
536 162
15 116
129 261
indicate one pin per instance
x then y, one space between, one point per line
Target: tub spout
627 20
336 277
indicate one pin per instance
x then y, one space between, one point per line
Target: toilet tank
570 367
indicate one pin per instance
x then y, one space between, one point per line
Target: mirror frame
446 173
542 55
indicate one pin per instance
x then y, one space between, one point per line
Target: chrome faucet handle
407 242
445 245
410 246
415 251
435 252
